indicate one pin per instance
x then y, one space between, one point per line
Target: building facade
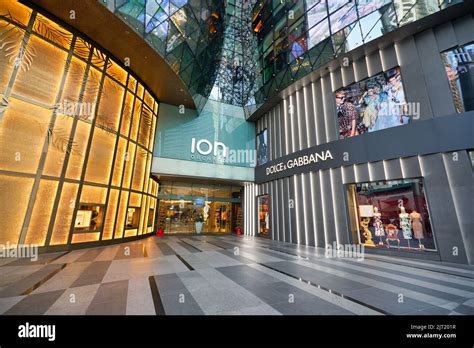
375 147
319 123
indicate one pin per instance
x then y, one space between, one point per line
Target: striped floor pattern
230 275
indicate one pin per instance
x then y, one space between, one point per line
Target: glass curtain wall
76 137
297 37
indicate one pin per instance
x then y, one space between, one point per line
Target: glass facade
459 64
263 203
262 147
188 34
297 37
76 136
218 135
182 204
391 215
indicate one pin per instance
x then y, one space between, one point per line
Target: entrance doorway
179 216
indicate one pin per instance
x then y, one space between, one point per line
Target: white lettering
37 331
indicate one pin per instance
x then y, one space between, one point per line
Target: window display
373 104
151 216
264 215
262 149
391 215
459 64
88 218
133 217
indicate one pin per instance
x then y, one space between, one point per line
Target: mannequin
206 210
379 230
405 224
417 227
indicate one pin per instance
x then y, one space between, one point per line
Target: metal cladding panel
413 82
459 173
308 206
438 92
443 216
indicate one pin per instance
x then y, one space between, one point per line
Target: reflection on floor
229 275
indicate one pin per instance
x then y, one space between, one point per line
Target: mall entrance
185 207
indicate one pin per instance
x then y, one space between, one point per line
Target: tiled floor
226 274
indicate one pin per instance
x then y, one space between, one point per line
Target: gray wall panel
328 207
445 36
376 171
388 57
299 210
319 112
360 69
439 92
336 79
362 172
413 83
292 201
348 174
286 210
339 203
464 29
329 104
410 167
310 118
293 113
308 201
286 127
281 149
443 216
374 63
460 177
302 126
393 169
347 73
318 209
281 210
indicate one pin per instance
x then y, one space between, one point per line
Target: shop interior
391 215
198 206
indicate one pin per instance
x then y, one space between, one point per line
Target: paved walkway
226 274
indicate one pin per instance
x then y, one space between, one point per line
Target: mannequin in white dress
405 224
379 230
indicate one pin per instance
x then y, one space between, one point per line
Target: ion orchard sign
300 161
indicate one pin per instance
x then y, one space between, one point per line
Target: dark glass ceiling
242 52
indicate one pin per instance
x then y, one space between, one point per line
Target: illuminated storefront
76 138
181 205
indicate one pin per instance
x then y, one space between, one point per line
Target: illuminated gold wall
76 138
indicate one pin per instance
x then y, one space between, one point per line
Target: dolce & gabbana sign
300 161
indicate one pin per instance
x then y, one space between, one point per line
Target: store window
89 218
262 147
459 64
133 218
264 215
373 104
151 216
391 215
